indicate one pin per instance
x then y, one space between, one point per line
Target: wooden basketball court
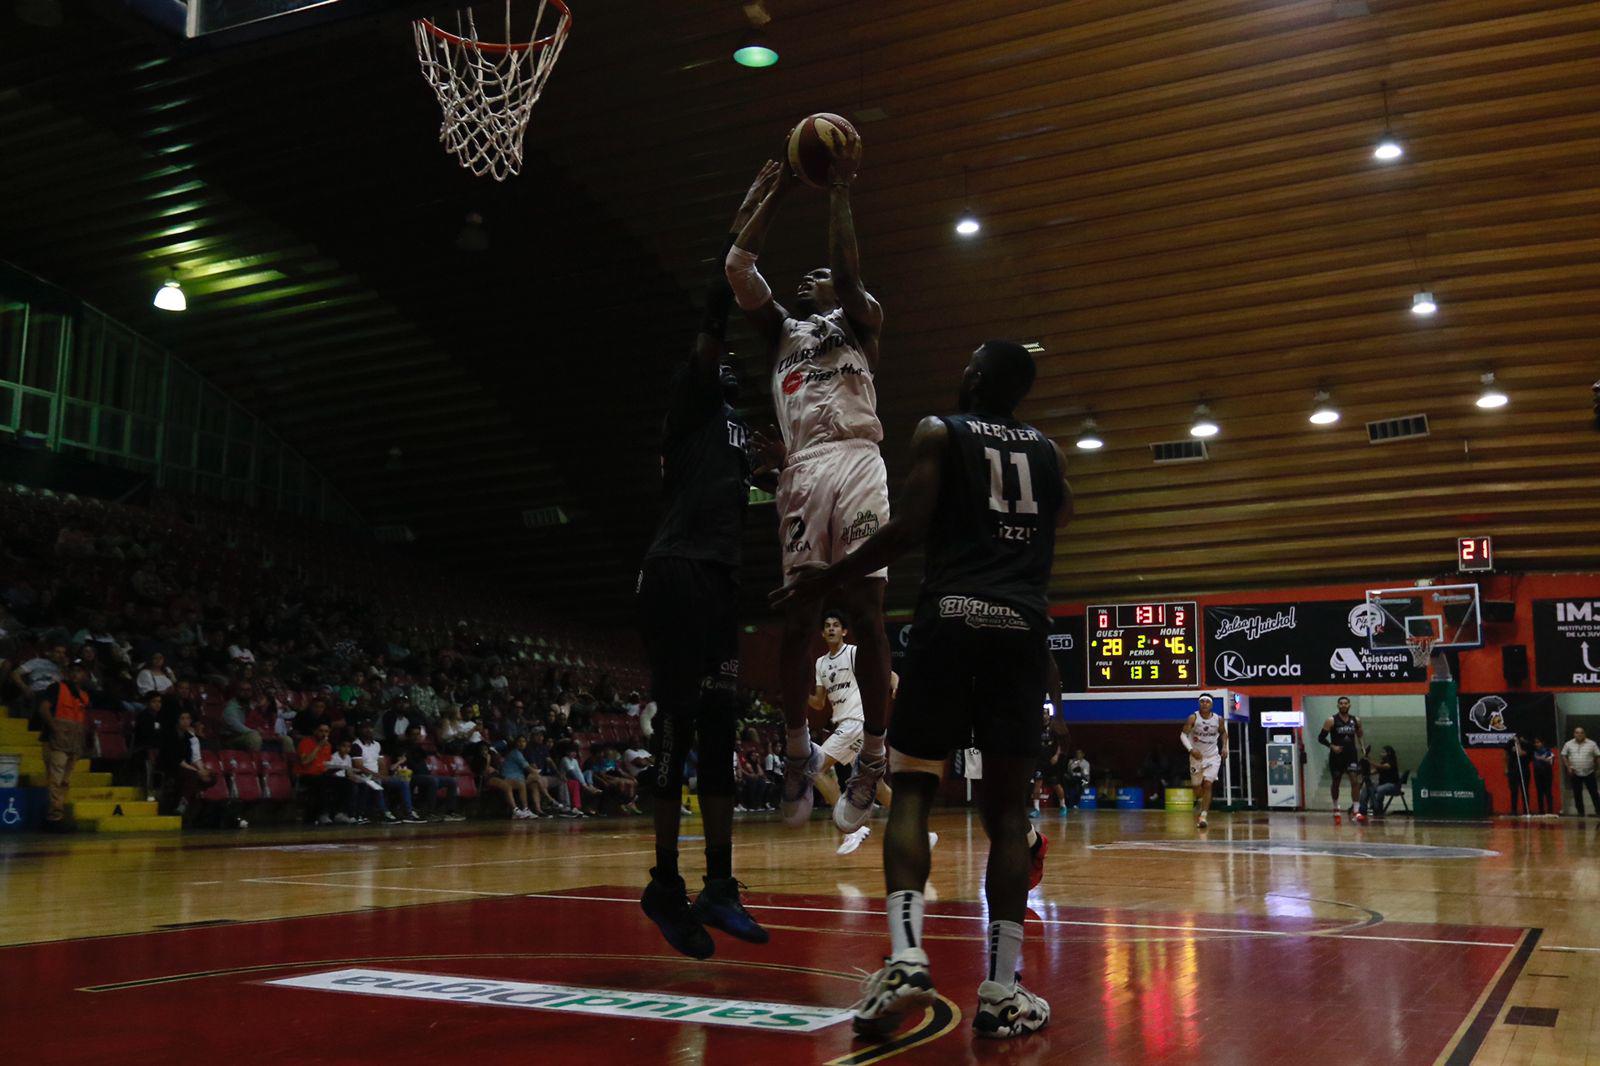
1395 942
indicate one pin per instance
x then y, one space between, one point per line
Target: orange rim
563 25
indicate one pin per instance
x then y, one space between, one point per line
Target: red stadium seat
242 767
466 781
278 786
217 791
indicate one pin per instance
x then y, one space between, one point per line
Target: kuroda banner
1318 642
1566 643
1491 719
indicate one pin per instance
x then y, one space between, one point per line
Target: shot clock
1144 645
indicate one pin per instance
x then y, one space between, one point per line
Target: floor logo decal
608 1002
1333 849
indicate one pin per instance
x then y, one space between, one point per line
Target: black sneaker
666 902
719 907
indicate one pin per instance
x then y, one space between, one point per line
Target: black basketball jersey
1343 734
993 534
705 468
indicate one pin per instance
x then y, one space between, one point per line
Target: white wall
1400 721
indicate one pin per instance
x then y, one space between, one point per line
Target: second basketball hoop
487 87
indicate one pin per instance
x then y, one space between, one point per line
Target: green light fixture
754 51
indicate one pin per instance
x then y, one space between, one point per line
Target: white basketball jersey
1204 733
822 384
836 675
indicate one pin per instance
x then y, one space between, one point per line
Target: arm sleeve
1186 740
1322 738
750 289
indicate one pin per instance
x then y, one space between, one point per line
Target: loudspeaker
1514 664
1500 611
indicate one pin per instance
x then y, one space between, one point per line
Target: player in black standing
1341 735
986 493
688 589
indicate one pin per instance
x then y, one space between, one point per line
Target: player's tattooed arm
768 316
844 261
913 513
1064 515
709 344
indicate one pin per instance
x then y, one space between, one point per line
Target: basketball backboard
229 21
1450 613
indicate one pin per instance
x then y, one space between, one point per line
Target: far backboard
230 21
1451 613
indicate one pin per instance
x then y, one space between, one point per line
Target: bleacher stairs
96 806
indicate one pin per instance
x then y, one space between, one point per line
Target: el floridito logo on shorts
981 614
570 999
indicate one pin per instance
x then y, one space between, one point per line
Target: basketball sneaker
666 902
719 907
1009 1010
855 804
903 984
1361 819
854 840
1036 856
798 775
1200 820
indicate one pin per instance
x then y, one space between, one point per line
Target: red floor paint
1125 987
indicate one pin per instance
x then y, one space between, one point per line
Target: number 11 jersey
993 533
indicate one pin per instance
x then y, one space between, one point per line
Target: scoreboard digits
1144 645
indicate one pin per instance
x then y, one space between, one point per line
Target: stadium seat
246 774
277 785
218 791
466 781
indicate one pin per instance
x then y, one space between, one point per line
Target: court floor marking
1080 922
460 865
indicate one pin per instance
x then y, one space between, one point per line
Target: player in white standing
1207 740
837 689
834 490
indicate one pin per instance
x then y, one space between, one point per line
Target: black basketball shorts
688 619
978 680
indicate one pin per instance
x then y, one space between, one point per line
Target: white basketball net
487 89
1421 647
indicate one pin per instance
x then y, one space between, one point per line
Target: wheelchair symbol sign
11 815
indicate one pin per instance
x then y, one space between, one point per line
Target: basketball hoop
1421 646
487 89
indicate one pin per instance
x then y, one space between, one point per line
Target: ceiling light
1089 439
1388 148
1324 414
1422 304
754 51
968 224
1491 397
1032 346
1203 426
170 296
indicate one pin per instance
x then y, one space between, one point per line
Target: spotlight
1388 148
1422 304
170 296
1203 426
1492 396
1324 414
968 224
1089 440
754 51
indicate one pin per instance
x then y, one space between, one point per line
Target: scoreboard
1143 645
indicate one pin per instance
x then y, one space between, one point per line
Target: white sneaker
324 820
243 824
854 840
1009 1010
519 814
902 985
933 839
798 775
856 802
343 818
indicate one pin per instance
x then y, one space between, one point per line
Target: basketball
817 141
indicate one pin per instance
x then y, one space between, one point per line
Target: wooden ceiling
1179 201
